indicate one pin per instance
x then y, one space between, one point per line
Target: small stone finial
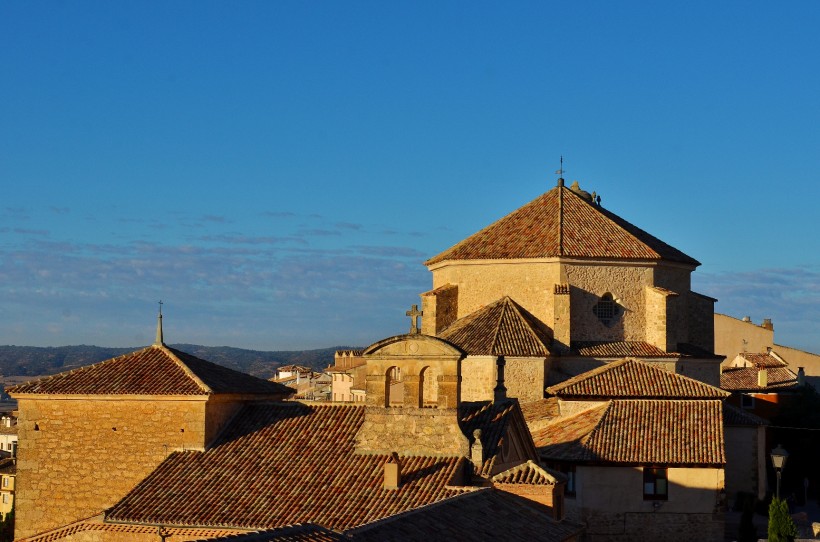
414 314
500 391
159 339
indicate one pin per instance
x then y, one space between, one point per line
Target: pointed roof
529 473
562 223
155 370
502 328
634 379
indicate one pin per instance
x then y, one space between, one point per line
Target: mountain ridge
34 361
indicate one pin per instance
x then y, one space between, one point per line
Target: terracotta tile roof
745 379
155 370
528 473
487 514
295 533
282 464
502 328
735 416
543 409
8 466
95 525
631 378
661 432
561 223
620 349
762 360
12 430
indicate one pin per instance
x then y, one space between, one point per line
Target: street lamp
779 456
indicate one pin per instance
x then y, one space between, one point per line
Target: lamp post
779 456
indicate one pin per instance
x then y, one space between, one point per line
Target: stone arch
428 387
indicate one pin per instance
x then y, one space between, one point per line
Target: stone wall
546 495
480 283
478 378
525 378
743 461
412 431
79 456
626 284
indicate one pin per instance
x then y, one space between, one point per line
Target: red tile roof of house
762 360
486 514
631 378
562 223
294 533
502 328
746 379
643 432
529 473
155 370
620 349
281 464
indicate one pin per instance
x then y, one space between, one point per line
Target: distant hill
38 361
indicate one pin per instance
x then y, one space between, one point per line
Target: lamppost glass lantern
779 457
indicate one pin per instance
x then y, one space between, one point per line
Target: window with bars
607 310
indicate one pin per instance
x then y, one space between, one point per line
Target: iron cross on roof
414 314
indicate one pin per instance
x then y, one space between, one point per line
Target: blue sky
276 172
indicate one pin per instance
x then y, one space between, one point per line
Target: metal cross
414 314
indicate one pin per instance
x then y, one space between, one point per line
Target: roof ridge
588 374
170 352
504 302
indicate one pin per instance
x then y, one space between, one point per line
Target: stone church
160 445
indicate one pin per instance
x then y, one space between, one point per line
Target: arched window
393 387
607 310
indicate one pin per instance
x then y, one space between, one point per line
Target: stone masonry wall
626 284
478 378
525 378
412 431
80 456
528 283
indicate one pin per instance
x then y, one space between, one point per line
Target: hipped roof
562 223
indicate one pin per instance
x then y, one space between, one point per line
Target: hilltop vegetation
37 361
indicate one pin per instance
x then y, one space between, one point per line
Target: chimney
477 450
762 378
767 324
500 391
801 376
392 472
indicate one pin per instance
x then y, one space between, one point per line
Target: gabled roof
562 223
746 379
282 464
634 379
643 432
494 419
761 360
619 349
502 328
294 533
155 370
529 473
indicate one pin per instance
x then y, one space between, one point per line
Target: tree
781 526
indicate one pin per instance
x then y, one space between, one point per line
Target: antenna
560 172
